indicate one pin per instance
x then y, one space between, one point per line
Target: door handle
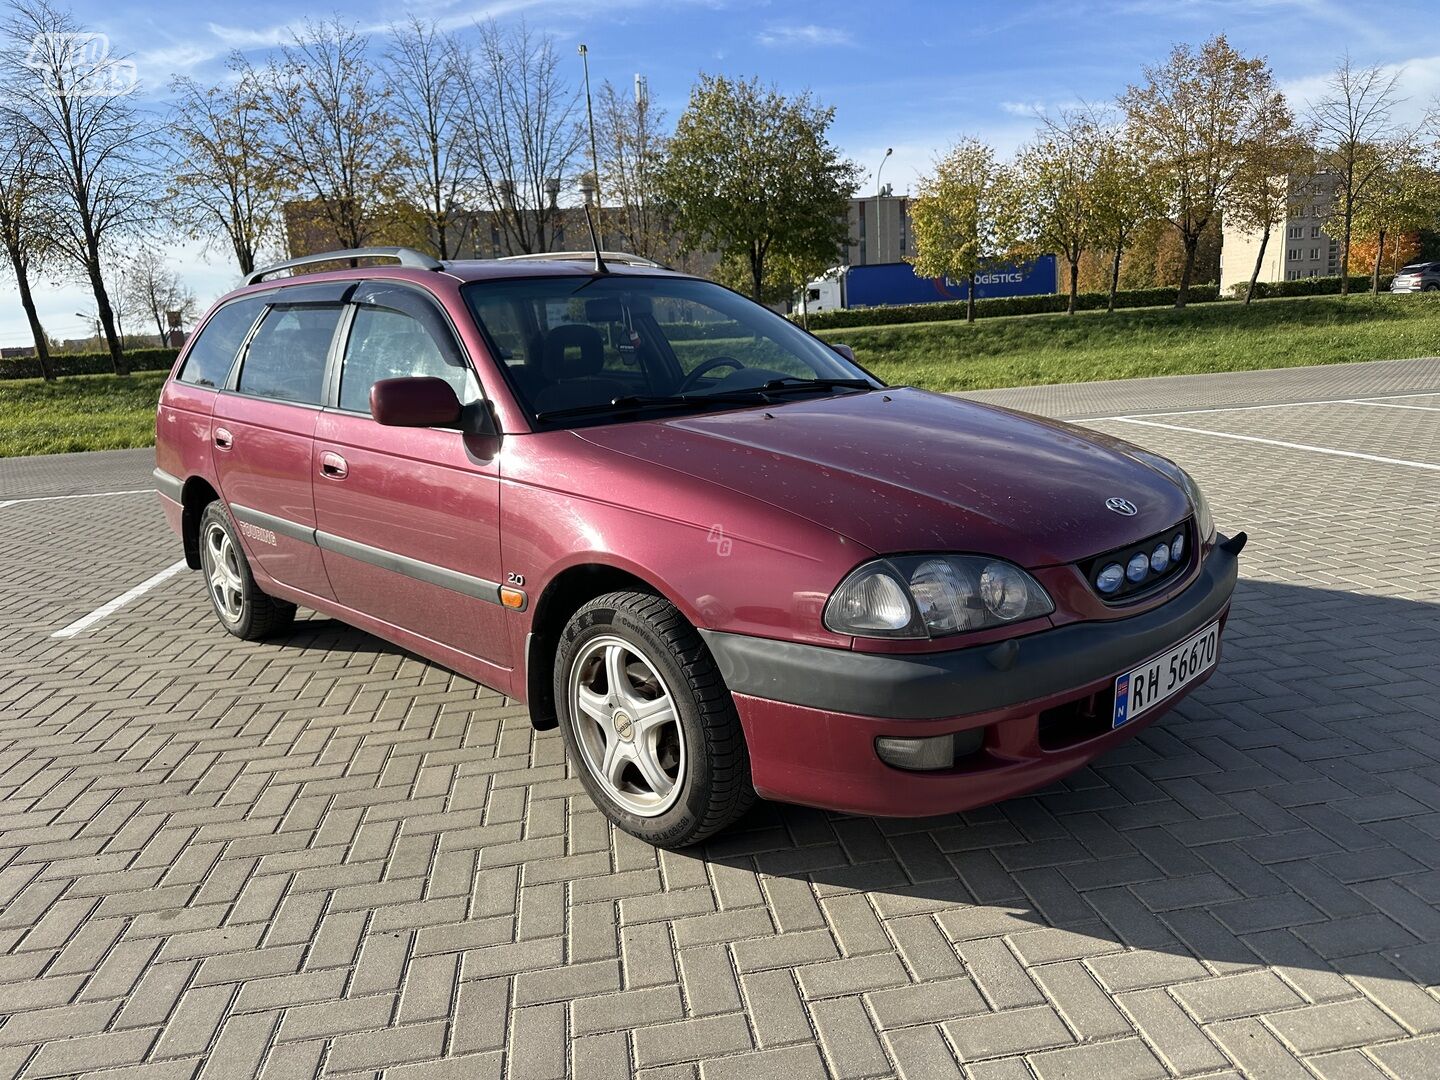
223 439
333 466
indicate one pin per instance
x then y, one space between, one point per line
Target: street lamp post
92 319
878 233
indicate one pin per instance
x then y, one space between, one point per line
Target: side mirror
846 351
419 401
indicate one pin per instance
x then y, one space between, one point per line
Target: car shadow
1288 813
313 632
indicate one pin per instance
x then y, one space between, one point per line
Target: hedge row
1004 305
28 367
1315 286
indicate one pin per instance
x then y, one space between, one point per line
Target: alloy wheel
626 725
222 572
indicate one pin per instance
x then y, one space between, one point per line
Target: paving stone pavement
322 856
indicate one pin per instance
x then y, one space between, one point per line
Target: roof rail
624 258
404 256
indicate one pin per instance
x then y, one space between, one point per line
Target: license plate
1140 690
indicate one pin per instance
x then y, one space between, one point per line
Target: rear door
408 518
263 430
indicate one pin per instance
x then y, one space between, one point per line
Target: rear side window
286 357
213 351
389 344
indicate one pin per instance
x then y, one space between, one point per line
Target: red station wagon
719 555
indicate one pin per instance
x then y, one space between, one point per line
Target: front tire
648 722
239 604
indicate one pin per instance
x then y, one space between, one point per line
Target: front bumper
811 715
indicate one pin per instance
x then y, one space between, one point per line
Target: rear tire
648 722
239 604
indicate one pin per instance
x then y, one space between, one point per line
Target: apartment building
879 229
1300 249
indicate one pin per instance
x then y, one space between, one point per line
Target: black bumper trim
172 487
930 686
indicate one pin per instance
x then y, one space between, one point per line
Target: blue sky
910 74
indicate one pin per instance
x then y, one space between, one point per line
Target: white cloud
1027 109
807 35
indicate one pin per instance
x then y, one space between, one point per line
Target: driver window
388 344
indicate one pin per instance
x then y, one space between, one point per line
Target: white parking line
1394 404
1279 442
88 495
1376 400
84 623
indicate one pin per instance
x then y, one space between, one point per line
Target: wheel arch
563 595
194 497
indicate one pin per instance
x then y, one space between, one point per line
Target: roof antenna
600 267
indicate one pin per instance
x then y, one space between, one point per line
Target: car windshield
604 349
1415 268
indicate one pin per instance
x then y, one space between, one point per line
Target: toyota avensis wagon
722 557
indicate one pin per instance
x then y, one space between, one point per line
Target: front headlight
920 596
1204 522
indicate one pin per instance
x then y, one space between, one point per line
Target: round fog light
1160 558
1110 578
1138 567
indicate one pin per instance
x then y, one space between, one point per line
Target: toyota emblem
1124 507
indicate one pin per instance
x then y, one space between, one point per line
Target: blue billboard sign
897 283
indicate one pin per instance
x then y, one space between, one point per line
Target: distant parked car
721 556
1417 277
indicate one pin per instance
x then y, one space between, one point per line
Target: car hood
906 471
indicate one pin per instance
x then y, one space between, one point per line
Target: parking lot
322 855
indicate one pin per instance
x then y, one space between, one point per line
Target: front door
263 430
408 518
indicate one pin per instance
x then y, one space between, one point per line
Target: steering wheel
693 379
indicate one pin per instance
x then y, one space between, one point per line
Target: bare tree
74 98
24 219
223 175
428 101
153 290
1192 116
522 134
339 143
633 145
1358 140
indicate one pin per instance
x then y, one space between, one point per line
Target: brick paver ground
321 856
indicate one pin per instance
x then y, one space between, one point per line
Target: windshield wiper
629 402
794 382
